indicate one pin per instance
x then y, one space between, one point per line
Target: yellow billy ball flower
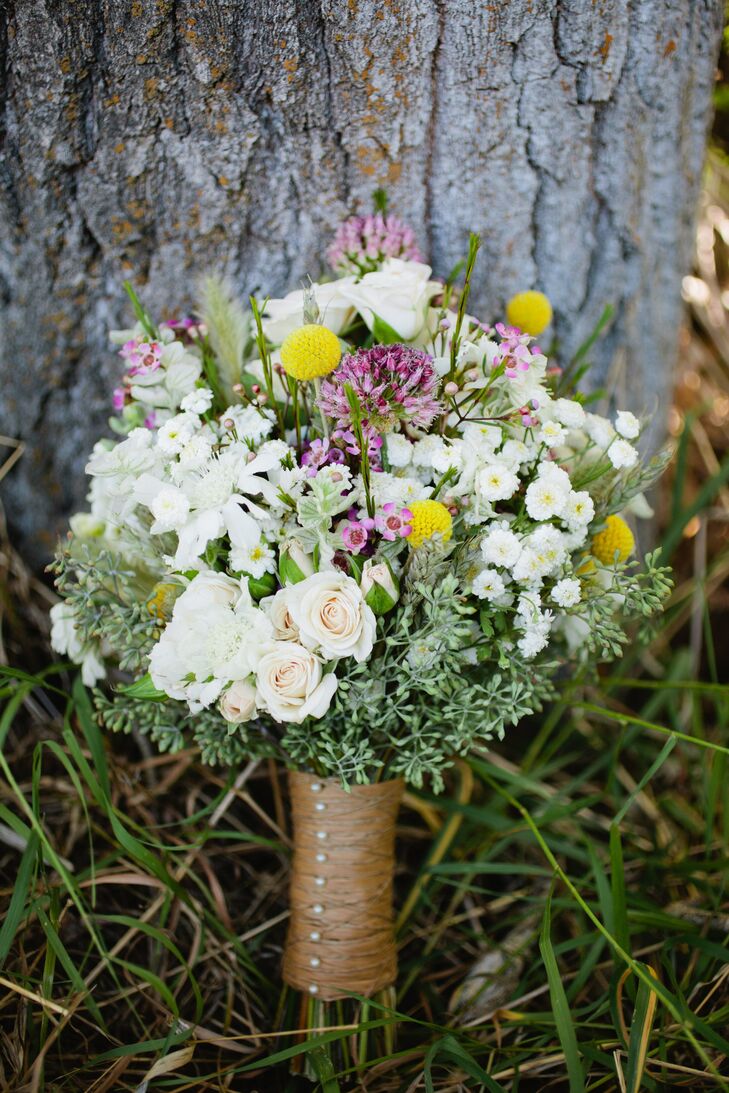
615 536
163 600
429 518
310 351
530 311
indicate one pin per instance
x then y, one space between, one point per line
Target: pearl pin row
317 908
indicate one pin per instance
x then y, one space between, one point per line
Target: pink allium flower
362 242
392 383
392 523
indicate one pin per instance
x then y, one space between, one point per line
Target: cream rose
398 293
278 610
286 314
238 704
332 616
290 685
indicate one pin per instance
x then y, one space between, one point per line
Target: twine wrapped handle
341 936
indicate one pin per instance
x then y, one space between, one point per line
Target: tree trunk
156 140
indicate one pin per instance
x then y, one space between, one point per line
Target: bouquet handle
341 937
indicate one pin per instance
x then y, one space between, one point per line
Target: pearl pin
321 835
321 857
313 989
317 908
316 787
320 881
314 936
315 961
320 806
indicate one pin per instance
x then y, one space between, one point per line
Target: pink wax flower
514 351
318 454
355 536
118 398
186 326
361 243
141 356
392 523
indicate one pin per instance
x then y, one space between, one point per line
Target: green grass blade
560 1006
16 910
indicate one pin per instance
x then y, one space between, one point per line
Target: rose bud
380 587
294 563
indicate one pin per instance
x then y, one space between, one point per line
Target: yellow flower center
615 536
530 311
429 518
310 351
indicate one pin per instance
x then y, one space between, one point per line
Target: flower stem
324 422
474 242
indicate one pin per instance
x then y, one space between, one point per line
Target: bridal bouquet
356 529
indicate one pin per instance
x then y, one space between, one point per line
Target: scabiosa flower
392 383
361 243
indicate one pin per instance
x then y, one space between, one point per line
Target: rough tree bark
154 140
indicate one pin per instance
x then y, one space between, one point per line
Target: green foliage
109 601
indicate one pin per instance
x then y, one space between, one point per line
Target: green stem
324 422
474 242
266 361
294 389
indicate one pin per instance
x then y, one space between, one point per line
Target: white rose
238 704
398 293
278 610
332 616
209 589
287 314
290 684
294 563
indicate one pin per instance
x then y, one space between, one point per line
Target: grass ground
565 918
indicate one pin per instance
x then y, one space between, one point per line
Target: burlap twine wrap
341 932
